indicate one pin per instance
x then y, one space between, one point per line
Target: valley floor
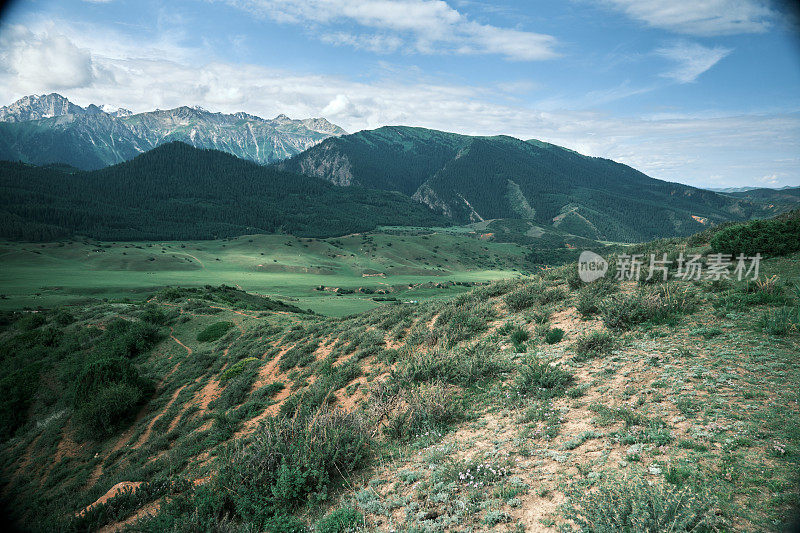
351 269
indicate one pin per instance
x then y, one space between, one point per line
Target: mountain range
472 179
50 129
416 174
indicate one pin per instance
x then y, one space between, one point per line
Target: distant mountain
748 189
176 191
470 179
784 193
50 129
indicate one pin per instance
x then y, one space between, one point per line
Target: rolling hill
179 192
51 129
472 179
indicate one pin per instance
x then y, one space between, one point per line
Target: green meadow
335 277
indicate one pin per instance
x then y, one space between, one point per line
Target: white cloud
423 26
381 44
690 149
48 59
341 106
700 17
691 60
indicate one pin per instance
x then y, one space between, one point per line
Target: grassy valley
335 276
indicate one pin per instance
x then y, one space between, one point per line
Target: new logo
591 266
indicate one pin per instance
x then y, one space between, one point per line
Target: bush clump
633 504
426 407
777 322
106 394
588 304
595 344
459 366
342 520
290 462
661 304
540 379
524 297
124 338
773 237
553 335
214 331
463 322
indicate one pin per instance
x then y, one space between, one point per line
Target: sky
702 92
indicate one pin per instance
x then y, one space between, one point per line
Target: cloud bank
700 17
420 26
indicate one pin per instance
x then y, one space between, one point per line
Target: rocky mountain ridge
50 129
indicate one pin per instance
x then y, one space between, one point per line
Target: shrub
706 332
552 295
330 379
588 304
106 393
506 328
100 373
64 318
123 338
429 406
595 344
460 366
292 461
31 321
660 304
463 322
519 336
776 236
633 504
214 331
540 379
554 335
524 297
154 314
109 406
19 388
235 369
236 389
124 504
776 322
300 354
342 520
574 281
497 288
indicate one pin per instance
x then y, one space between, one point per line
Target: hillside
471 179
536 404
50 129
179 192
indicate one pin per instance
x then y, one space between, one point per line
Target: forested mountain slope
179 192
469 179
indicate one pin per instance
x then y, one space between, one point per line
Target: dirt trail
147 432
173 337
234 311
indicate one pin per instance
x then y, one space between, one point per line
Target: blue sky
704 92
